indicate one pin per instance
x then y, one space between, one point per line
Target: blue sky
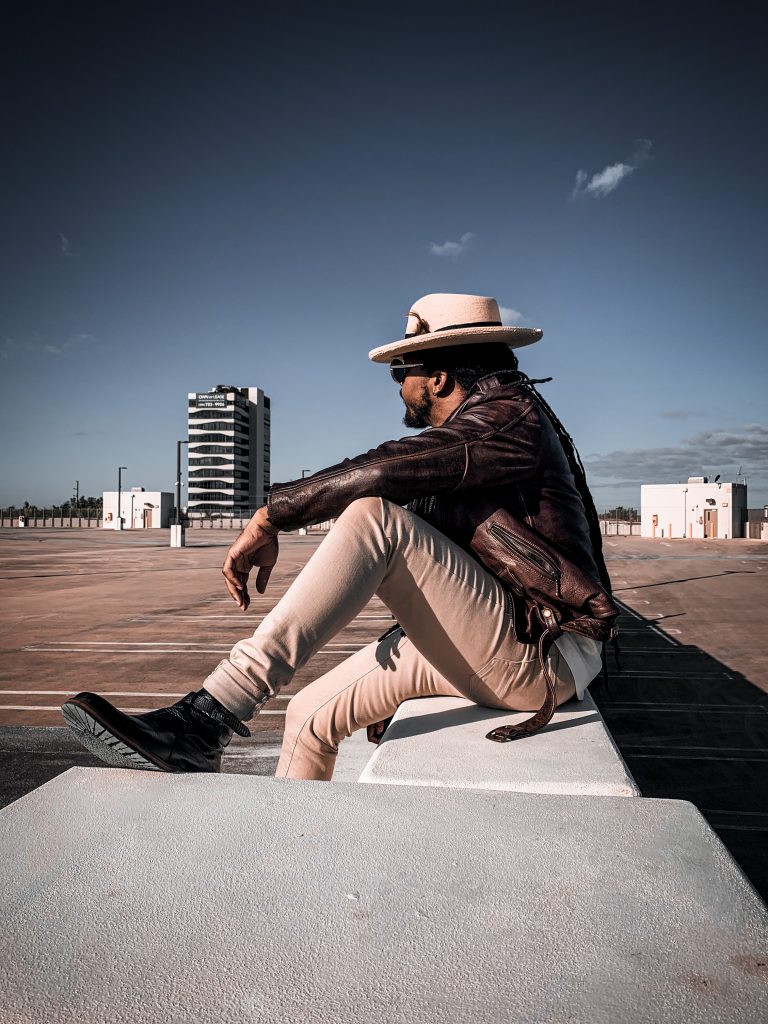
195 194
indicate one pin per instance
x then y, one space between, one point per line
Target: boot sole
105 743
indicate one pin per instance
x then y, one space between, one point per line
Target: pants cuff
235 691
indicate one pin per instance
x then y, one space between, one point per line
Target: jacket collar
485 388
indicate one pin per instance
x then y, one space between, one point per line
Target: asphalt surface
127 616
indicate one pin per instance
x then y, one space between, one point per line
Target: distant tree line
620 512
82 505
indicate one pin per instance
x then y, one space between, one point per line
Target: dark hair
468 363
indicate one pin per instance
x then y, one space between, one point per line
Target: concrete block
440 741
354 754
140 898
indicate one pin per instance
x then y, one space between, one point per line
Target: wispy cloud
509 316
608 180
10 347
451 250
67 249
682 414
711 451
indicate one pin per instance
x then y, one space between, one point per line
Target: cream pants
459 637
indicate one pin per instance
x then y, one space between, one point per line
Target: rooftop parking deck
126 615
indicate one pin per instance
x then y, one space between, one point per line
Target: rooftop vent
697 480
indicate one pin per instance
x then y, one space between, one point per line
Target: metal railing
59 516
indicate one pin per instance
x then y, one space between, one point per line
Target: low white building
139 509
698 509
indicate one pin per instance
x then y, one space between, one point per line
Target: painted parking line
237 617
145 653
151 646
126 711
663 636
109 693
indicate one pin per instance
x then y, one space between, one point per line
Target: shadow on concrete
33 755
422 725
688 579
690 728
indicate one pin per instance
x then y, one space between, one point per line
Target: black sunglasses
399 369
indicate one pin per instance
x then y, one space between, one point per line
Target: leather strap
210 706
507 733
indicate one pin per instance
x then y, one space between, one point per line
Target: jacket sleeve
476 449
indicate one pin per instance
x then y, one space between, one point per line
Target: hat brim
515 337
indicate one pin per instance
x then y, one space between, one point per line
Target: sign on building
204 400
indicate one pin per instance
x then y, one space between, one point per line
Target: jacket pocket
531 557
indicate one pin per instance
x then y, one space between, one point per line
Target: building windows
211 449
229 435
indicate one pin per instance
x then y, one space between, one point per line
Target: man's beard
417 415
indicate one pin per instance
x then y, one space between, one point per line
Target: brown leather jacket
497 451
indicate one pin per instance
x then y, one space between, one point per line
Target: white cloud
10 347
451 250
509 316
606 181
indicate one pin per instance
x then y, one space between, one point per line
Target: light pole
178 480
119 488
304 472
177 531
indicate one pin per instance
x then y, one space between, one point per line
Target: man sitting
420 524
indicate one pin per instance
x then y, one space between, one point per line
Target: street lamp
304 472
178 480
119 487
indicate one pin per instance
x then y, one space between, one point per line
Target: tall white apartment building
229 432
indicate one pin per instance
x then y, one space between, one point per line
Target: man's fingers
236 581
239 595
262 578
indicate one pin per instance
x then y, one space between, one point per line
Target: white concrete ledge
440 741
136 898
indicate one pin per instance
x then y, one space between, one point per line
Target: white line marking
123 650
127 711
66 645
664 636
237 617
629 611
146 652
113 693
695 757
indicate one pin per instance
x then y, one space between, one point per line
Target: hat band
458 327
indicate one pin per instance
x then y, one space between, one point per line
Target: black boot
188 737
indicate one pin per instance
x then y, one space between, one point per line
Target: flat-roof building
698 508
229 448
139 509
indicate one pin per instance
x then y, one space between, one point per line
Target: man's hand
254 547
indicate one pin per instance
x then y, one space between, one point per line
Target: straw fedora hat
442 320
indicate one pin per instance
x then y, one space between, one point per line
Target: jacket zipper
528 553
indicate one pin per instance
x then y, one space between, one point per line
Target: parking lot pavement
689 708
127 616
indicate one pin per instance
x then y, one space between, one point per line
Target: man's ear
441 384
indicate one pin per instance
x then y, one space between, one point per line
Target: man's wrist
261 520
